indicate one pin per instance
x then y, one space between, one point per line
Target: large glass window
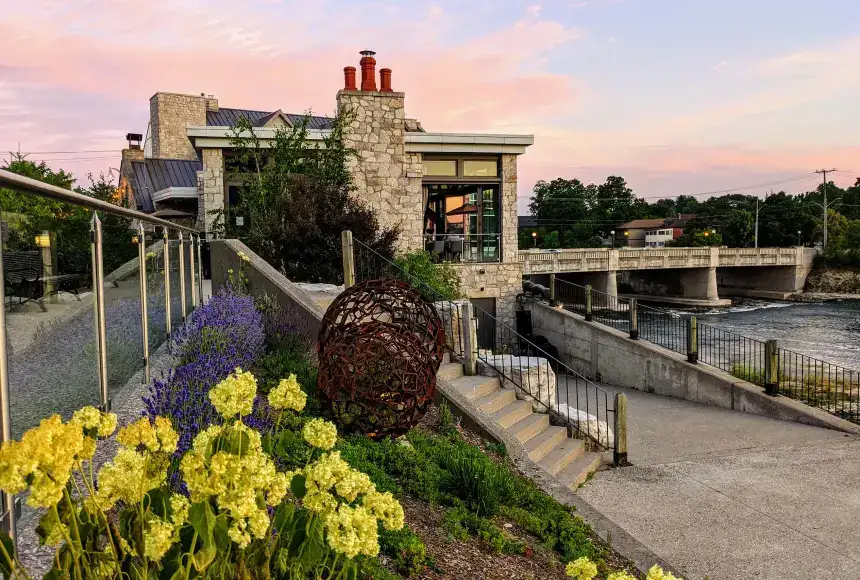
474 168
463 222
440 167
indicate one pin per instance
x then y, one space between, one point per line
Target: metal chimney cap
367 53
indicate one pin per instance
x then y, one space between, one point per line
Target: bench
23 273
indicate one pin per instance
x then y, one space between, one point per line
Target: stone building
453 194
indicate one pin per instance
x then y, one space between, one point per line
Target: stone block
531 377
587 423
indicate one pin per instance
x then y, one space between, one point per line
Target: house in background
654 233
454 194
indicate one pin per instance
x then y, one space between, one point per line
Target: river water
828 331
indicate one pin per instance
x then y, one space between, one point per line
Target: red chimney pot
349 78
385 80
368 70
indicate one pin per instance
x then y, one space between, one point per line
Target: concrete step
496 400
562 455
577 472
446 358
450 371
529 427
476 387
538 446
512 412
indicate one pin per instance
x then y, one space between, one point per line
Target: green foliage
407 552
443 279
447 421
461 523
297 199
478 481
694 238
550 241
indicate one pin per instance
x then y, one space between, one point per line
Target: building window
440 167
463 222
480 168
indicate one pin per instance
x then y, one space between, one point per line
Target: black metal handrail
592 422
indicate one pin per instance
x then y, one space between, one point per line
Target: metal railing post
200 262
182 307
619 452
771 368
167 281
191 250
470 347
552 301
633 311
99 309
588 315
144 314
692 340
8 519
348 258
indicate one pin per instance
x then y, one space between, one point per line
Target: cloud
534 10
582 4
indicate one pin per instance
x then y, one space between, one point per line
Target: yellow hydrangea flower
155 438
320 433
657 573
234 395
129 476
157 538
288 395
179 506
581 569
620 576
55 531
387 509
352 484
87 417
320 502
107 424
352 531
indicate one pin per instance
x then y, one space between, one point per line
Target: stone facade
169 116
500 281
509 208
386 177
212 196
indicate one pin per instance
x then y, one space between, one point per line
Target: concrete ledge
264 279
607 355
609 531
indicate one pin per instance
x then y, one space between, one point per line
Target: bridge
695 276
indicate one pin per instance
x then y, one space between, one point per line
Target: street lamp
613 238
534 239
799 243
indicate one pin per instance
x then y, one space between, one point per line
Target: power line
73 152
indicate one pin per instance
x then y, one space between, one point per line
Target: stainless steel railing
171 232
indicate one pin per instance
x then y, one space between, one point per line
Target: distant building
654 233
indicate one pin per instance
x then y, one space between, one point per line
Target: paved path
721 494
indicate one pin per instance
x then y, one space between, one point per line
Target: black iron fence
827 386
517 360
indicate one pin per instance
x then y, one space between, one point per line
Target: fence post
182 307
348 259
99 310
634 318
144 306
167 281
191 250
771 368
7 516
692 340
200 265
588 302
619 453
552 301
470 343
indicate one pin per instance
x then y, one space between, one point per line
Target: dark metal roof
228 117
153 175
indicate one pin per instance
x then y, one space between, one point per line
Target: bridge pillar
699 283
606 282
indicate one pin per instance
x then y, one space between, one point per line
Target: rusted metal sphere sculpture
380 347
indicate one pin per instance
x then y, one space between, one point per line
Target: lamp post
534 239
799 243
627 238
613 238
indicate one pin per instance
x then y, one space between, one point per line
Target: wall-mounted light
43 240
134 239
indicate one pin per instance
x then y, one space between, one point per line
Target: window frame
461 177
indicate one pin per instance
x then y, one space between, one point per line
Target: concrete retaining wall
609 356
264 279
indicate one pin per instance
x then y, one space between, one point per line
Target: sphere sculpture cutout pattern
380 346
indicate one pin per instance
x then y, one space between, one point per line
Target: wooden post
771 368
588 302
633 311
619 453
470 339
348 259
692 340
552 301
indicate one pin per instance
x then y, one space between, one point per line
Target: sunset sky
677 96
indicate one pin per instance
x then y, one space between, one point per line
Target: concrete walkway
721 494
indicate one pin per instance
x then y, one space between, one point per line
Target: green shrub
443 279
447 422
478 481
292 355
407 552
460 523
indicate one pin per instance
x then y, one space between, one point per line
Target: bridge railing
815 382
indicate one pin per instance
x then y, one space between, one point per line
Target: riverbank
836 281
822 297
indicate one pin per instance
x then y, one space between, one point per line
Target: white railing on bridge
606 259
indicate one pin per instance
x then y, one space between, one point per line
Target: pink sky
713 115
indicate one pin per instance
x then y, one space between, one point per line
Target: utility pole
824 173
756 217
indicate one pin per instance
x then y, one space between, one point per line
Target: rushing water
828 331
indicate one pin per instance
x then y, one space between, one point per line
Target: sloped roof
227 118
642 224
153 175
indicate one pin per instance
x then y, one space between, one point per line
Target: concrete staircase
547 445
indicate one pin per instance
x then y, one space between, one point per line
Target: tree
694 238
550 241
297 198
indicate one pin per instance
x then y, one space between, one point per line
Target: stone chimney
385 80
349 78
170 114
368 70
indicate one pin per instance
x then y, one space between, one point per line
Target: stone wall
170 114
212 196
386 177
500 281
509 208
